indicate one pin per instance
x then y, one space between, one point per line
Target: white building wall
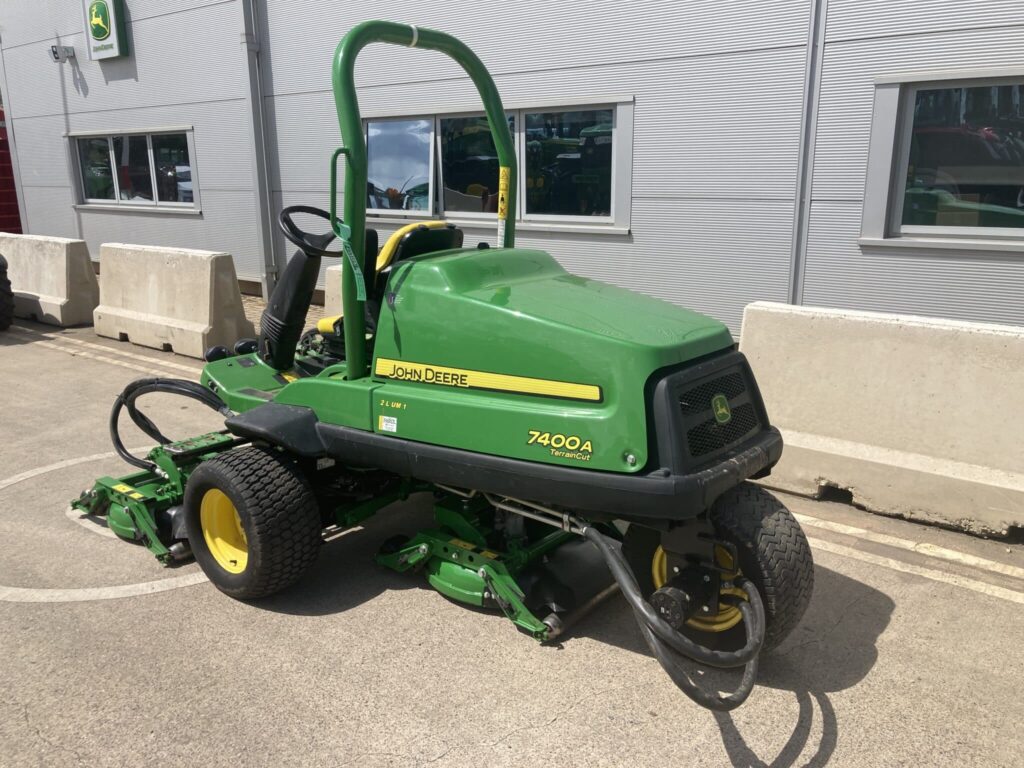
186 68
865 41
717 90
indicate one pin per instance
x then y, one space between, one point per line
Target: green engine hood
453 319
518 311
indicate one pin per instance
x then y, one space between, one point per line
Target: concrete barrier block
332 291
52 278
915 417
169 298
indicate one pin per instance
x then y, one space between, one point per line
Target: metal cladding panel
529 35
155 74
717 94
693 137
220 137
986 287
856 19
49 211
864 42
226 224
849 70
45 21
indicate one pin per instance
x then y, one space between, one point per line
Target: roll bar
352 229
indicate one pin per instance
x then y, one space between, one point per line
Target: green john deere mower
578 438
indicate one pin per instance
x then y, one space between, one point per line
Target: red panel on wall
10 220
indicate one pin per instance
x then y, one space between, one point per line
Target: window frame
888 158
431 191
163 206
618 222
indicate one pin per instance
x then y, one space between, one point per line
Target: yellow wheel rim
223 531
729 615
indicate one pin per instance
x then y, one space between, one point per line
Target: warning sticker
504 175
387 423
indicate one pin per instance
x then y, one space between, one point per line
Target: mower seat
416 239
413 239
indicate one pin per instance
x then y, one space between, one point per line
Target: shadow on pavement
345 575
833 649
12 338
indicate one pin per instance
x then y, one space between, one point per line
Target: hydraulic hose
139 387
668 644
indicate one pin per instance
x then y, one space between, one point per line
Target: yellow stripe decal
460 377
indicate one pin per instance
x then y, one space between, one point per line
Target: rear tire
278 523
6 301
772 549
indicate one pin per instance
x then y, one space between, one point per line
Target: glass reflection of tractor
406 198
470 166
569 174
961 175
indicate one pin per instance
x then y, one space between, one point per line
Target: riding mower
578 438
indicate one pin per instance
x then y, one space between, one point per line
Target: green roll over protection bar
354 141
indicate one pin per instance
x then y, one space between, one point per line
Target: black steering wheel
311 245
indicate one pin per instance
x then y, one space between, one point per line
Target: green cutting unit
577 438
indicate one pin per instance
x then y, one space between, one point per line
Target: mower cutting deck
577 437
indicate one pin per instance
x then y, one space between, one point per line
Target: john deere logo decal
720 406
99 20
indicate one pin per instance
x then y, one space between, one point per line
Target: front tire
772 550
253 522
773 553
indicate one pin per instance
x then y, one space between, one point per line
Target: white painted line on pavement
84 594
29 474
57 337
89 523
923 548
928 573
100 358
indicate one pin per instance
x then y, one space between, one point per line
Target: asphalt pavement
911 652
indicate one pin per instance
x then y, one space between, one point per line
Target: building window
137 170
960 170
399 165
447 165
569 163
469 164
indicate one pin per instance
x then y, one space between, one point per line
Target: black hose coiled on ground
667 644
141 387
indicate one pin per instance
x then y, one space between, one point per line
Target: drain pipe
256 135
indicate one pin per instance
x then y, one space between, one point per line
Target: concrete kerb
914 417
170 298
52 278
332 291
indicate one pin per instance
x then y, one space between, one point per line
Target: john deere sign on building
104 29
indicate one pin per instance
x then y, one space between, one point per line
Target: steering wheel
311 245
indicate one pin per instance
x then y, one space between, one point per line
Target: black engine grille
698 399
705 436
710 436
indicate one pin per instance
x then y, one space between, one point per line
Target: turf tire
772 550
6 301
279 514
